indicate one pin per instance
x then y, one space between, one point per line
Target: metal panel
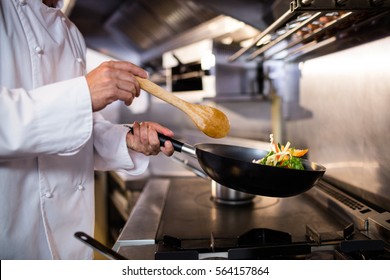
145 218
348 94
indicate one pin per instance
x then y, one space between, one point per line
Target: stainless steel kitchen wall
345 98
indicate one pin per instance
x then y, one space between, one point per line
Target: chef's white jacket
50 141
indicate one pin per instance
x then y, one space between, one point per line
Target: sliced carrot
299 153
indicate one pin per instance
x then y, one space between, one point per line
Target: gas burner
263 236
321 255
227 196
258 243
258 202
268 244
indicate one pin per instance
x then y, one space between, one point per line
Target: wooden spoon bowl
209 120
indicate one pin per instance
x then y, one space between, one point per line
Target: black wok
232 167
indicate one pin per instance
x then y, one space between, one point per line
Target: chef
52 137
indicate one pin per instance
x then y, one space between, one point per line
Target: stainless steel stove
333 104
177 218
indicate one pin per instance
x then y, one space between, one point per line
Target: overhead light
207 61
227 40
226 24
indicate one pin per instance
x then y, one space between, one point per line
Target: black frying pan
232 167
97 246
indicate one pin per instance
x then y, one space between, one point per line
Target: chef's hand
114 80
144 139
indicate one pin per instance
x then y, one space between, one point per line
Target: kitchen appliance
343 119
183 222
223 195
187 76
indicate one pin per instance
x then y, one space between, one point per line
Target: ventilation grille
349 202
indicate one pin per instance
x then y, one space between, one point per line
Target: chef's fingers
144 133
167 149
149 138
124 74
161 129
126 92
108 83
144 139
128 67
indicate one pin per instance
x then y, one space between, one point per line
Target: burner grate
257 243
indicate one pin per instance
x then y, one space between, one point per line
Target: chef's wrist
128 137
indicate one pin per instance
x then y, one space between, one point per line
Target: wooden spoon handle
211 121
162 94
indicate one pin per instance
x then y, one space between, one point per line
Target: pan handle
96 245
177 145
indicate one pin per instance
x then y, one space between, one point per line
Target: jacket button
22 2
79 60
80 187
38 50
48 195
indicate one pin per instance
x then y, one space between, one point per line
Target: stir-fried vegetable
283 156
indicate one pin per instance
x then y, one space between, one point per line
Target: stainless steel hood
148 27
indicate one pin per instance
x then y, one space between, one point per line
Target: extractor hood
149 27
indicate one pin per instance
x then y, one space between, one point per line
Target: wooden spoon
209 120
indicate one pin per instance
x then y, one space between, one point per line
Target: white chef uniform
50 141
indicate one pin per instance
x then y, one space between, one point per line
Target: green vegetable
283 156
